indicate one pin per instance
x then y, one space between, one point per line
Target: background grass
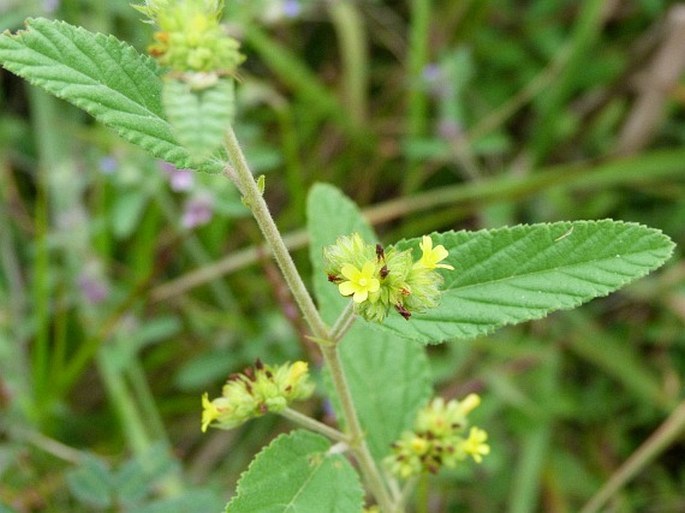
118 309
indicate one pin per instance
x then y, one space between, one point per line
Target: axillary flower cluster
382 279
439 439
256 391
191 38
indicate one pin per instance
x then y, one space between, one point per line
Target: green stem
313 425
357 440
343 323
254 200
241 175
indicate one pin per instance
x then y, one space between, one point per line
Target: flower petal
347 288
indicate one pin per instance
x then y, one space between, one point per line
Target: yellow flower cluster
382 279
256 391
439 439
191 39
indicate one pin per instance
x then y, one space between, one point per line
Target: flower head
382 280
256 391
359 283
475 445
438 439
190 38
432 255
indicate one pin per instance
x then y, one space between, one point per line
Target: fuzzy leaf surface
511 275
102 75
296 474
388 376
199 117
389 382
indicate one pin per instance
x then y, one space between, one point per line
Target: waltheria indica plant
376 305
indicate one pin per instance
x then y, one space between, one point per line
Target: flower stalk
255 202
252 196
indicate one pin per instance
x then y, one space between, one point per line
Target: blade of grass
617 358
350 28
526 486
586 32
417 101
306 84
667 433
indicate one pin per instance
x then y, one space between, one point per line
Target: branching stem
239 173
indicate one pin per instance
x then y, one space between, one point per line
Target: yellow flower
432 255
469 403
475 444
209 412
360 283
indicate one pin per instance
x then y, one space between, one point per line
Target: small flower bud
256 391
438 439
381 280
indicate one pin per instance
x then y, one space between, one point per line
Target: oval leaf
105 77
510 275
297 473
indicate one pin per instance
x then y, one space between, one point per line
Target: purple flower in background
92 287
435 80
198 211
450 129
292 8
179 179
432 73
108 164
50 6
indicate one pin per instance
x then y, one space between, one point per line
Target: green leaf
510 275
91 483
389 379
195 500
199 116
297 473
135 478
388 376
331 214
101 75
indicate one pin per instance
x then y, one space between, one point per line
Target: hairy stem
343 323
255 202
357 440
313 425
240 173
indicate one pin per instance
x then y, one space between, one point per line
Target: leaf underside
102 75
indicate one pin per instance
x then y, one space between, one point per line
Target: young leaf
199 116
510 275
101 75
297 473
331 214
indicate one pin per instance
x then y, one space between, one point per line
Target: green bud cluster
191 38
384 279
256 391
439 439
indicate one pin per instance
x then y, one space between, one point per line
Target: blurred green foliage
127 288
